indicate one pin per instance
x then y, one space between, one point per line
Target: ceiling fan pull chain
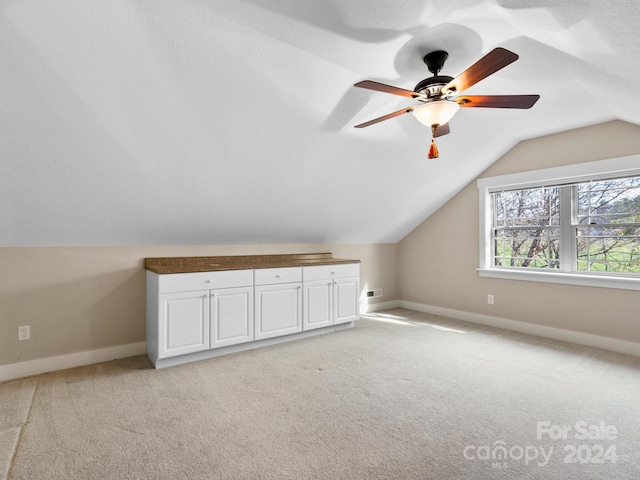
433 149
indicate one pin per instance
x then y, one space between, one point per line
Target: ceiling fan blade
386 117
492 62
497 101
381 87
442 130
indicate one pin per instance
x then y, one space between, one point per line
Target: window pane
609 249
611 201
534 206
520 239
527 248
608 235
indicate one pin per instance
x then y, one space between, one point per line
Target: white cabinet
194 312
183 323
330 295
199 315
278 302
231 316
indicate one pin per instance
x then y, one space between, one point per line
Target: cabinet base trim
169 362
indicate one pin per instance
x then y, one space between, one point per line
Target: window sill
583 279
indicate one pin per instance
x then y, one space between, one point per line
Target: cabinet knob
277 276
208 281
333 273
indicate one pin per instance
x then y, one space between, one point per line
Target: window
578 224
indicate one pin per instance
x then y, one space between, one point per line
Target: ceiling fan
440 94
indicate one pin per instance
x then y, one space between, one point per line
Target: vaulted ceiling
231 121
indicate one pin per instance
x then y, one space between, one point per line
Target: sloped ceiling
231 121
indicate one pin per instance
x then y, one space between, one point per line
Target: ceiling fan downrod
435 61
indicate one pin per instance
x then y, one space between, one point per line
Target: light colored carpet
403 395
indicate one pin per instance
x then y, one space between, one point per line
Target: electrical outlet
490 299
24 332
376 292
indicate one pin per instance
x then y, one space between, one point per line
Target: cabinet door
345 299
183 323
278 310
231 316
317 301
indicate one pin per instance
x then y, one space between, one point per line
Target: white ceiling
231 121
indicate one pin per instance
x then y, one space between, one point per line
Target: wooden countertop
168 265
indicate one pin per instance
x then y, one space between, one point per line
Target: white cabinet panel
317 300
231 316
183 323
346 303
278 310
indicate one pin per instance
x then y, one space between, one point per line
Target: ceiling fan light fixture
437 112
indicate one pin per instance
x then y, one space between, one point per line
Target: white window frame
582 172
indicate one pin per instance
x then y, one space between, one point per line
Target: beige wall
83 298
437 261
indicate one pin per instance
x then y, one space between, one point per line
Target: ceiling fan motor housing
432 86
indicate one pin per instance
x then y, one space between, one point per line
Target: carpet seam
19 439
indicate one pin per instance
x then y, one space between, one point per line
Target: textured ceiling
231 121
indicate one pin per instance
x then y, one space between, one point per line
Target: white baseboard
43 365
376 307
606 343
61 362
